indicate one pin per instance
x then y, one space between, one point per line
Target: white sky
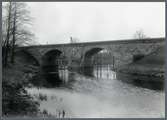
55 22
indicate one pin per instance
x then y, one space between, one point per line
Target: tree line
16 29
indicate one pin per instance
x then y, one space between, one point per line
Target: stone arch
90 53
50 66
93 51
50 56
46 50
88 62
25 57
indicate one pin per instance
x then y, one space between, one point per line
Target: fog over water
104 98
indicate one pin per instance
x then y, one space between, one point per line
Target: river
100 97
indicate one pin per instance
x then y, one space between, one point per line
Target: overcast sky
55 22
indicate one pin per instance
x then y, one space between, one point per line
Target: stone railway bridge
122 50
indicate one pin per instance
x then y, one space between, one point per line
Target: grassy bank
151 66
15 99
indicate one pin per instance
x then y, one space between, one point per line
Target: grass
152 64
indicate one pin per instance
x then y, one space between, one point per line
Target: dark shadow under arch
92 52
50 57
25 57
88 65
50 66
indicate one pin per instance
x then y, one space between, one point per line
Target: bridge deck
126 41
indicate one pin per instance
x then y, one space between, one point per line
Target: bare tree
139 34
16 28
6 32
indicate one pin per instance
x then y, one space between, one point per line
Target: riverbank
15 99
149 69
101 98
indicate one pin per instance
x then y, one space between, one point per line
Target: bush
15 99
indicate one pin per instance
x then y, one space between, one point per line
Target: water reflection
104 72
64 75
51 74
99 72
100 97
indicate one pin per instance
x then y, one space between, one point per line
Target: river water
102 96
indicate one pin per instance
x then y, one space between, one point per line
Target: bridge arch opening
50 66
98 62
89 60
24 57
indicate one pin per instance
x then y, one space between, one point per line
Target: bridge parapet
122 50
